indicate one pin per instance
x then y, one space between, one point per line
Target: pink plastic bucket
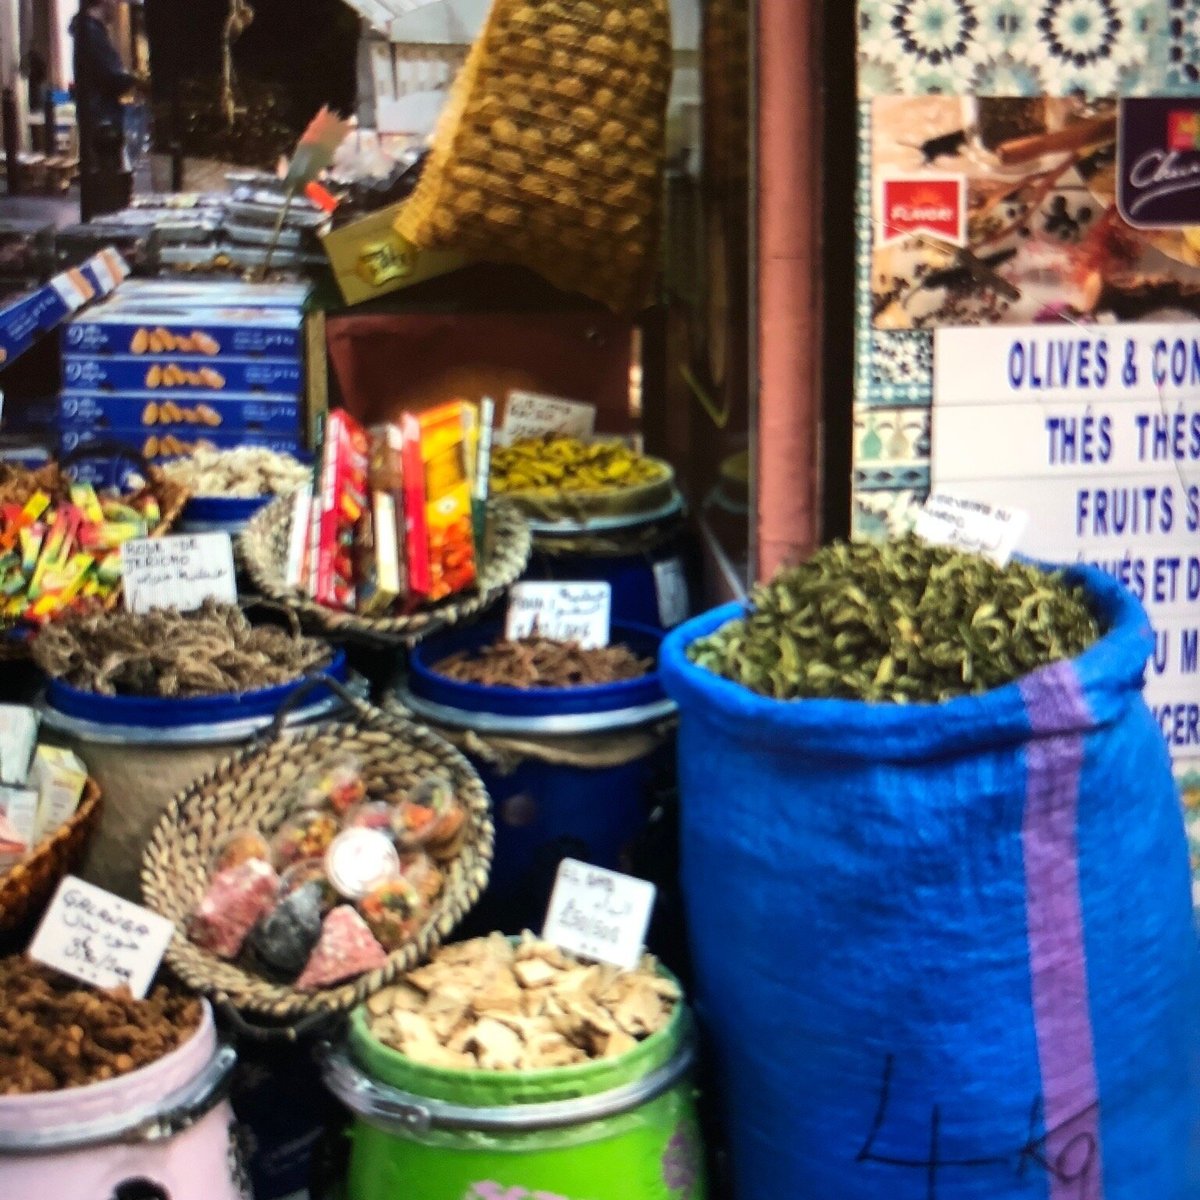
164 1132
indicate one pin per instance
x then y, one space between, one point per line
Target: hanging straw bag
550 151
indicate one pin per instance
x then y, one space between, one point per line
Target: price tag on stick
100 939
970 526
599 914
178 572
565 612
529 415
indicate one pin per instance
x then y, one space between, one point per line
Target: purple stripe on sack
1070 1151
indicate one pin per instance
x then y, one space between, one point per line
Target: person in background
101 83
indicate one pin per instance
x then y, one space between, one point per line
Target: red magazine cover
415 522
343 497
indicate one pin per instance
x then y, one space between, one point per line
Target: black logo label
1158 162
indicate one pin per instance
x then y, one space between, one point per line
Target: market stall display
61 539
49 809
902 623
169 370
600 511
270 535
26 886
566 740
99 1091
151 702
116 1033
571 1079
275 789
987 834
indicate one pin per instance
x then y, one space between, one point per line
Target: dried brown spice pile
56 1033
209 652
492 1005
536 662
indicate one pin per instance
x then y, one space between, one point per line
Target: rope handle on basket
275 606
303 691
250 1031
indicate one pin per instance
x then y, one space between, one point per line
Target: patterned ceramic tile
1179 47
892 369
884 514
1009 47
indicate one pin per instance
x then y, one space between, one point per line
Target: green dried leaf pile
899 623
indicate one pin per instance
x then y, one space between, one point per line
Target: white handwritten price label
100 939
178 572
599 914
564 612
530 415
971 526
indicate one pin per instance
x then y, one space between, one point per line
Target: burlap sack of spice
550 151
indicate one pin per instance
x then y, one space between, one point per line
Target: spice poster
1096 431
1013 210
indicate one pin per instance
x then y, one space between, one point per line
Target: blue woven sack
945 952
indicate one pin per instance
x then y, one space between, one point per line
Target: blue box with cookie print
251 332
182 412
196 374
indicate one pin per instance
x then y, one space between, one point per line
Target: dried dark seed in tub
282 941
898 623
56 1033
210 652
537 662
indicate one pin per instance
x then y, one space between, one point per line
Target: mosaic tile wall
978 47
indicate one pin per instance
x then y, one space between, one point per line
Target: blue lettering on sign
1037 366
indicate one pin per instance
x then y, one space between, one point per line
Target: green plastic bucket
618 1129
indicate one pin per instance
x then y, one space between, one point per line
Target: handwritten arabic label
529 415
100 939
566 612
599 914
178 572
971 526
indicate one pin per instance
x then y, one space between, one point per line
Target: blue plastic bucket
220 514
143 750
557 802
640 556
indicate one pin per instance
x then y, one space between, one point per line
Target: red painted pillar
789 324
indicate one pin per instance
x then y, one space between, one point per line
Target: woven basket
550 151
264 548
26 888
17 486
251 790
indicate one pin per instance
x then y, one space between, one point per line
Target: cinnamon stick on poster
1073 137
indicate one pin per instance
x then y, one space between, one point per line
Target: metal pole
12 141
176 135
50 115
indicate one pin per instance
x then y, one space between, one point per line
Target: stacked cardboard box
164 366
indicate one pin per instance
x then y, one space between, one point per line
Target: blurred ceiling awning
426 22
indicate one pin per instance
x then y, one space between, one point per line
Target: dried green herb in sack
900 623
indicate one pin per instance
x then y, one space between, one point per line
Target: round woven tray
581 512
251 789
264 548
26 888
